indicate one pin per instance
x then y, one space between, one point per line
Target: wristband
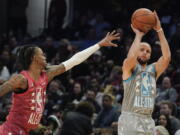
159 30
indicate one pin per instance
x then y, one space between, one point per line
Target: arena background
62 28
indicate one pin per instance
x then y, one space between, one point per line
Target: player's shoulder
19 78
152 66
18 81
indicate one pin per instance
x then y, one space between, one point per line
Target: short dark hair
171 106
25 54
85 108
168 103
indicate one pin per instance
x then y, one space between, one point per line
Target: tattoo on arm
5 88
14 83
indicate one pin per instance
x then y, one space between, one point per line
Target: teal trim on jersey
132 76
154 69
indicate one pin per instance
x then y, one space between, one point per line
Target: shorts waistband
136 114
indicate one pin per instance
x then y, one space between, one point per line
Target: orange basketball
143 19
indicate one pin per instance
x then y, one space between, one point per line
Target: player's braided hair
25 55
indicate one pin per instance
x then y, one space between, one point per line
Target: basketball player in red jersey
29 86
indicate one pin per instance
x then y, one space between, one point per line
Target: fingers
132 26
108 34
115 38
113 32
155 13
114 35
114 45
134 29
117 35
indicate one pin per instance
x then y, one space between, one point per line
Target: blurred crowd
87 99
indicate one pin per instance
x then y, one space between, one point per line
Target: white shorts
135 124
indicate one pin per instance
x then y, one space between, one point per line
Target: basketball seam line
144 22
141 15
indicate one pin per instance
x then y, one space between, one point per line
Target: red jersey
27 108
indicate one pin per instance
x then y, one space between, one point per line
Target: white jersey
140 91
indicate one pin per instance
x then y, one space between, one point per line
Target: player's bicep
129 64
128 67
5 88
18 82
15 82
161 65
55 70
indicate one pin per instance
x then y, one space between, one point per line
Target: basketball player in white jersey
139 80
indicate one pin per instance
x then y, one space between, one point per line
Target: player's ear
34 58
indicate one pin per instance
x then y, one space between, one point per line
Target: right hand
137 32
110 36
158 23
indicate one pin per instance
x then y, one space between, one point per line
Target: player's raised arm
164 60
131 60
15 83
82 56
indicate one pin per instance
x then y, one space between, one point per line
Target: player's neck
143 65
35 71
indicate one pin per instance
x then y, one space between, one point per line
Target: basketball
143 19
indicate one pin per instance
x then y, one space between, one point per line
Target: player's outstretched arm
131 60
15 83
82 56
164 60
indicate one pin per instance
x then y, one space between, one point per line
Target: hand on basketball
158 23
110 36
137 32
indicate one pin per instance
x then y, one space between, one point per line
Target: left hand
137 32
158 23
110 36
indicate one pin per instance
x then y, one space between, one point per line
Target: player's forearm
5 88
134 47
164 45
80 57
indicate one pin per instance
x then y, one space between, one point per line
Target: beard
142 62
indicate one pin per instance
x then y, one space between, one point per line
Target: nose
144 52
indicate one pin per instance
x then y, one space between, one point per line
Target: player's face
40 58
144 54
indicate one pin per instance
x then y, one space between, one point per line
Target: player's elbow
129 64
167 58
131 58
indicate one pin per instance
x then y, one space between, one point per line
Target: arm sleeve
80 57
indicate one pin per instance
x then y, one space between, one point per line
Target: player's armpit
55 70
14 83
